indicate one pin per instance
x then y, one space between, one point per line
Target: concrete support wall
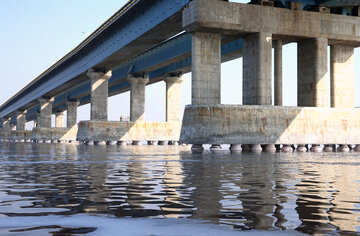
20 121
99 94
59 119
257 63
278 72
128 131
137 97
173 97
313 83
227 124
71 113
45 112
206 68
342 76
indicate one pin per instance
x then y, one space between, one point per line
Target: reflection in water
312 193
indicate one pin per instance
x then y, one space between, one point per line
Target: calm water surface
307 193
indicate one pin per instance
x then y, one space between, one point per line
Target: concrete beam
342 76
206 68
313 83
173 97
137 97
99 94
236 18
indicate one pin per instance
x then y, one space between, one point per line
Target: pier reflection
312 193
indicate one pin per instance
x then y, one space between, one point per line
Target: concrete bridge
147 42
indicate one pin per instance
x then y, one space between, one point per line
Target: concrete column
72 113
206 68
173 97
99 94
342 76
20 120
45 112
6 124
313 84
37 120
59 119
278 72
257 69
137 97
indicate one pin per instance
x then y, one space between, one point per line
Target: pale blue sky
37 33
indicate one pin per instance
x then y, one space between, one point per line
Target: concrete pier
20 120
71 119
137 97
313 85
278 72
257 63
173 97
45 112
59 119
99 93
206 68
342 76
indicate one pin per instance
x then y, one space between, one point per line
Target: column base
287 148
215 147
111 143
316 148
256 148
235 148
328 148
301 148
343 148
89 143
197 148
270 148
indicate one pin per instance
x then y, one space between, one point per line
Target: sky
37 33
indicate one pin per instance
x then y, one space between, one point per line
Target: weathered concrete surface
173 97
236 18
137 97
45 112
277 72
21 134
54 133
99 94
71 113
257 63
59 119
313 82
128 131
20 120
229 124
342 76
206 68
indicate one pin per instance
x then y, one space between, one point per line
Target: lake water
68 189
